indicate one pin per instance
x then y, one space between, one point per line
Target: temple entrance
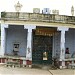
42 46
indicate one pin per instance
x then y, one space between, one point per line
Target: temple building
36 38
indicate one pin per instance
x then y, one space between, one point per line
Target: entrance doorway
42 47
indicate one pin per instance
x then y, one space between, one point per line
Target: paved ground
29 71
22 71
63 72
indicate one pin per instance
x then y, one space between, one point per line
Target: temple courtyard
34 71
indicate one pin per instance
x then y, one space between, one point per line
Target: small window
16 47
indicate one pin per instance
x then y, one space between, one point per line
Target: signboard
46 11
36 10
55 11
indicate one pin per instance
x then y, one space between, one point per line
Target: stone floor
22 71
32 71
63 72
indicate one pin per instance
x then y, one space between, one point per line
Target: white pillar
62 45
3 26
29 42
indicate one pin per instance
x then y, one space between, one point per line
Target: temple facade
37 38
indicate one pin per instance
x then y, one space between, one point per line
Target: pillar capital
4 25
63 28
29 27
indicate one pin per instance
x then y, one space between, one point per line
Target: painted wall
19 34
56 44
16 34
70 40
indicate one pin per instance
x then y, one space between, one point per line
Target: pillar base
62 67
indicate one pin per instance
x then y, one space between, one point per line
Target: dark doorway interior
42 49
